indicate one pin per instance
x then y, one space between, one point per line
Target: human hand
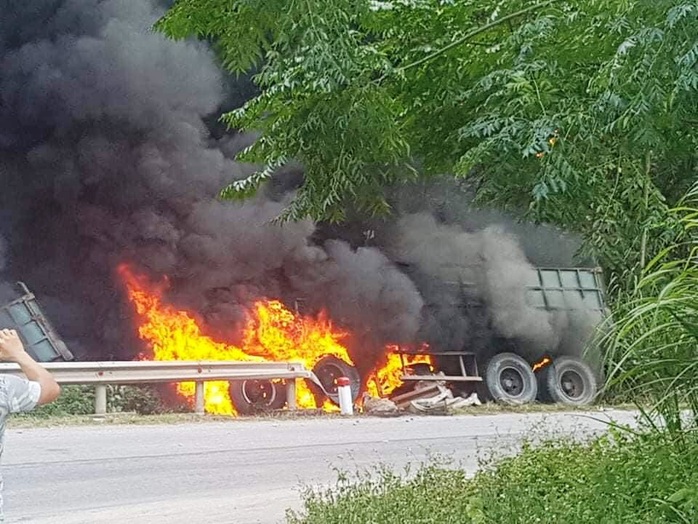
11 347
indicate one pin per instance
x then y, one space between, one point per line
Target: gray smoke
475 288
109 152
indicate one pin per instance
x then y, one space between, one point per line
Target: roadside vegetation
646 479
76 401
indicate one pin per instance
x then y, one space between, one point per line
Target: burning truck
509 370
503 373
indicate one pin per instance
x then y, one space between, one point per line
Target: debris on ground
378 406
442 403
427 398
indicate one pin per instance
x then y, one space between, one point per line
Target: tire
250 397
328 369
510 380
570 381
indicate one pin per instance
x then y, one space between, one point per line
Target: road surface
241 472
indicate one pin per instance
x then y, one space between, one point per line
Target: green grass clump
80 400
617 478
649 478
434 494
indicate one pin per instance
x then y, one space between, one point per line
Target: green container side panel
546 288
40 339
565 289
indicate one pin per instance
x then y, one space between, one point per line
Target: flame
542 363
383 381
272 333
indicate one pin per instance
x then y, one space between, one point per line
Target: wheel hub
258 392
572 384
327 376
512 382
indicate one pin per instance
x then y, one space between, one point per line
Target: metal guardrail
150 372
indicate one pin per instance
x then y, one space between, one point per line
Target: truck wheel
509 379
329 368
569 380
254 396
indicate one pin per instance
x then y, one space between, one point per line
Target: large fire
272 333
387 377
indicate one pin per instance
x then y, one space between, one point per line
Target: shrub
144 400
618 478
73 400
434 495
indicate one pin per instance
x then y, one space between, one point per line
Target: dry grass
43 421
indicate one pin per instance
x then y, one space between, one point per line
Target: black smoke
107 155
111 152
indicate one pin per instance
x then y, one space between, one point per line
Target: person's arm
12 350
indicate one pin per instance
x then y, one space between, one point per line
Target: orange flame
541 364
272 333
383 381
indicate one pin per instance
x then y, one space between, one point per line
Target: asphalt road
241 472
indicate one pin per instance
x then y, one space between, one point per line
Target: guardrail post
199 398
291 394
101 399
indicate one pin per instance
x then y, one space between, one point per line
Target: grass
49 421
82 416
617 478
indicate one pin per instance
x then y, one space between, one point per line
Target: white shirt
17 395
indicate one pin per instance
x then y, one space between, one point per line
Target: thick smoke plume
108 154
105 157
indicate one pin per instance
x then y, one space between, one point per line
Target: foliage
618 478
578 112
335 94
434 495
80 400
590 112
144 400
654 340
73 400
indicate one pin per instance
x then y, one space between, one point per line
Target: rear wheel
254 396
569 380
329 368
509 379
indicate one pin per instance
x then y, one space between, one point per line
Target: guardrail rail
102 374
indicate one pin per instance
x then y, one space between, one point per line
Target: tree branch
468 36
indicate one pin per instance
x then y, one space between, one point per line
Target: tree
579 113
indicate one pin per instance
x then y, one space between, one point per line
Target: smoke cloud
105 156
109 152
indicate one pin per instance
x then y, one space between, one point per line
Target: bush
646 478
619 478
434 495
73 400
144 400
653 333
